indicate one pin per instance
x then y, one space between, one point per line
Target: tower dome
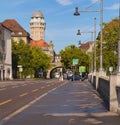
37 26
37 14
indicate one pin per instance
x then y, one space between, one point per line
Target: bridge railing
109 90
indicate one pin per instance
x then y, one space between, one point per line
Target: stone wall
109 90
94 81
104 90
118 97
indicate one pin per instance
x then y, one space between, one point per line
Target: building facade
18 32
37 26
37 34
5 53
87 47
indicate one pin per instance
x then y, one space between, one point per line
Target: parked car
76 77
69 76
57 75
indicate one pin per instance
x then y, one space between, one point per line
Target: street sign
82 69
75 61
111 69
20 69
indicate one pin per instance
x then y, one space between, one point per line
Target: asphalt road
71 103
16 94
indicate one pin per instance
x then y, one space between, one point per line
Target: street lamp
94 45
79 33
101 22
119 43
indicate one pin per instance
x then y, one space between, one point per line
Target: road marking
5 119
35 90
43 87
24 94
1 89
5 102
24 84
15 86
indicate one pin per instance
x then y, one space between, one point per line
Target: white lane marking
24 84
15 86
99 114
43 87
1 89
4 120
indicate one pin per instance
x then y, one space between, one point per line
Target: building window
12 33
3 44
19 33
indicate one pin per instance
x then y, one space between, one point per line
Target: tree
71 52
32 59
109 45
40 60
21 54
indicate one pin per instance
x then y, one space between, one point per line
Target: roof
40 43
86 46
5 27
15 27
37 14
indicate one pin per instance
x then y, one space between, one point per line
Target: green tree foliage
40 59
72 52
109 45
31 58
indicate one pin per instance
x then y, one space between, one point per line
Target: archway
50 73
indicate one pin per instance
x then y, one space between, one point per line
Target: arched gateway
50 71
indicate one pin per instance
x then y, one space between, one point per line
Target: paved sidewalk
74 103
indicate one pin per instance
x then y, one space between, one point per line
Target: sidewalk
74 103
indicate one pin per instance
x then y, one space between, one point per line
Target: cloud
94 1
17 3
113 7
64 2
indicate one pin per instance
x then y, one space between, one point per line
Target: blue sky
61 25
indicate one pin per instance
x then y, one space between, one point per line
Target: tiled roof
40 43
15 27
5 27
85 46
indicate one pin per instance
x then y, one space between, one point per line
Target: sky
61 24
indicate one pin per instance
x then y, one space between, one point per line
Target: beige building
5 53
37 34
37 26
18 31
87 47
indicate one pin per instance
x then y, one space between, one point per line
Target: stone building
37 26
37 34
5 53
87 47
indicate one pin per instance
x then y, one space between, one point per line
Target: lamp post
101 22
94 45
79 33
119 44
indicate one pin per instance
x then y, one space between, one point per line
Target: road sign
75 61
82 69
